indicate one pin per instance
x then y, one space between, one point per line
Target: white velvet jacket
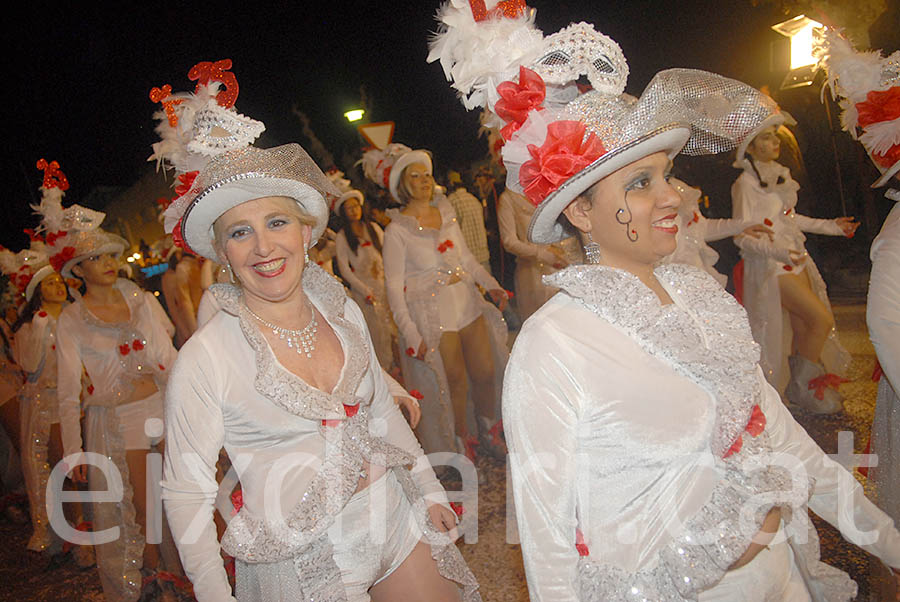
623 419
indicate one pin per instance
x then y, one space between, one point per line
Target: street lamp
354 115
799 31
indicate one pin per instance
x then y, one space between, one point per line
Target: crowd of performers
304 378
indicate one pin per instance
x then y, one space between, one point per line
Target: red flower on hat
880 105
519 99
52 237
889 158
60 259
187 180
565 152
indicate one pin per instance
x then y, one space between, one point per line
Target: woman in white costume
358 250
284 376
120 337
454 340
864 81
35 353
533 262
784 294
641 429
695 231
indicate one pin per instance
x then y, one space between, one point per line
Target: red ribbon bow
416 394
457 508
820 383
60 259
519 99
137 344
53 175
877 372
349 410
207 71
881 106
564 153
124 349
366 244
695 219
447 244
237 501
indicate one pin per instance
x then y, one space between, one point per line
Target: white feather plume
881 136
8 262
478 55
172 149
375 161
851 74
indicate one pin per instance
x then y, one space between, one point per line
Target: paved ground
498 565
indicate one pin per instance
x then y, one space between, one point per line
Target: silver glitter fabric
216 130
720 111
581 50
295 554
705 337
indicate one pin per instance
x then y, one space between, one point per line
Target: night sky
81 77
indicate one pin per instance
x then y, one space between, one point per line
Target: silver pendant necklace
302 340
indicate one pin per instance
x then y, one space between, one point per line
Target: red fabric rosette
60 259
564 153
880 105
187 181
519 99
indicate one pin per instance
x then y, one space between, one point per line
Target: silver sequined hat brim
93 242
252 173
546 227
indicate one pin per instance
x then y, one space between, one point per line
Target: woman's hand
444 520
758 231
847 225
498 296
79 474
798 257
412 409
561 260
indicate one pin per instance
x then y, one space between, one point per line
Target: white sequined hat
556 155
346 189
384 167
209 144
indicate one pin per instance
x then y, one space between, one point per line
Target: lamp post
799 31
354 115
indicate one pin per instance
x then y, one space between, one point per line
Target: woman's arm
68 382
30 345
395 282
343 258
195 432
541 427
836 496
818 226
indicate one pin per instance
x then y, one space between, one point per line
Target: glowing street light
799 31
354 115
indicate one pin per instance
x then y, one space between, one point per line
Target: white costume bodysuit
883 319
364 272
640 440
113 355
765 260
35 353
299 452
419 264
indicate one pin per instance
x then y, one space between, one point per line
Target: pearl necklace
302 340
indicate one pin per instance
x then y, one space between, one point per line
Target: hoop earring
231 274
592 252
625 217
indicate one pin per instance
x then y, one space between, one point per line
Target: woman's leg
479 358
416 580
816 321
137 472
451 350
